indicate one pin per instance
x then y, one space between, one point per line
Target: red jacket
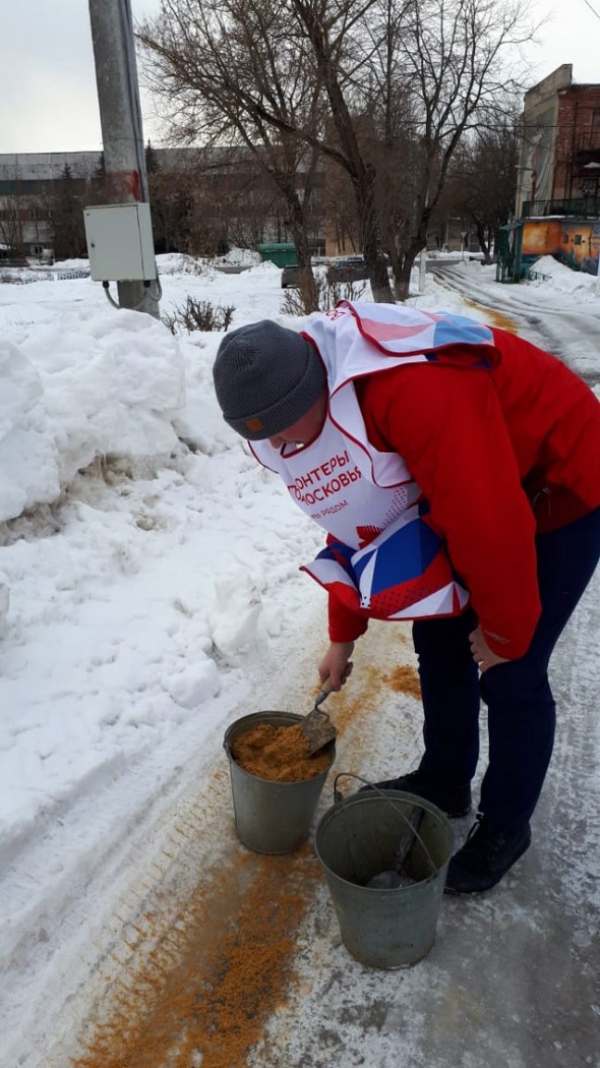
500 455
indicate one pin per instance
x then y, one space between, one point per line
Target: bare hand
336 664
482 654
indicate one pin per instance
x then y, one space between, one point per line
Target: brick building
557 204
559 164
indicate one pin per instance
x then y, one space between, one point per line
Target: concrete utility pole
121 121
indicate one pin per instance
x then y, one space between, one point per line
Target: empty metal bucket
359 837
272 817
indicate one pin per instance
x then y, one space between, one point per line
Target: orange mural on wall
574 242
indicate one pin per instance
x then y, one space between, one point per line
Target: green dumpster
282 253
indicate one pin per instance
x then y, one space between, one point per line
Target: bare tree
403 83
341 220
12 224
482 182
265 71
333 30
67 200
220 67
230 199
455 53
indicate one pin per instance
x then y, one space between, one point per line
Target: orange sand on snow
496 318
221 965
204 993
404 679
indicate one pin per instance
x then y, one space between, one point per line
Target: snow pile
75 264
177 263
241 257
82 387
563 279
28 460
18 276
145 556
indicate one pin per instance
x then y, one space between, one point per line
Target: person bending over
455 469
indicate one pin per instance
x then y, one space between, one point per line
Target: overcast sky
48 99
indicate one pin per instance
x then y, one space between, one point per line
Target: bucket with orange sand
276 784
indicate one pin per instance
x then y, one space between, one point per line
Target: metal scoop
317 725
395 877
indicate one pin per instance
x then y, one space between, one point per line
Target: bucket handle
337 796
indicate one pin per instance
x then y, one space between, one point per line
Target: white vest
340 480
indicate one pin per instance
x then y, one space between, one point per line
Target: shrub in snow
199 315
328 295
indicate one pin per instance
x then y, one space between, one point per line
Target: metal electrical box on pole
119 239
134 270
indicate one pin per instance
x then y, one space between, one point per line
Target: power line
592 9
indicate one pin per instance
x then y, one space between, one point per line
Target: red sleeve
448 426
344 625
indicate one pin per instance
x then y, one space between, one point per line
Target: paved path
513 977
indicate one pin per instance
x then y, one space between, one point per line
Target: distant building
43 167
557 208
200 189
27 182
559 164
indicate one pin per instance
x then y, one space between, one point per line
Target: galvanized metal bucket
272 817
359 837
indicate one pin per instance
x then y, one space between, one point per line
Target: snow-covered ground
149 593
559 310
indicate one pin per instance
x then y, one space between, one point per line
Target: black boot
486 856
454 801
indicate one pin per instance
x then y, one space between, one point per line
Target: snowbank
88 384
563 279
140 541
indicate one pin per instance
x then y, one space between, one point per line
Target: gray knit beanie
266 378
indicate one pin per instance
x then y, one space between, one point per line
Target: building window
565 239
577 239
